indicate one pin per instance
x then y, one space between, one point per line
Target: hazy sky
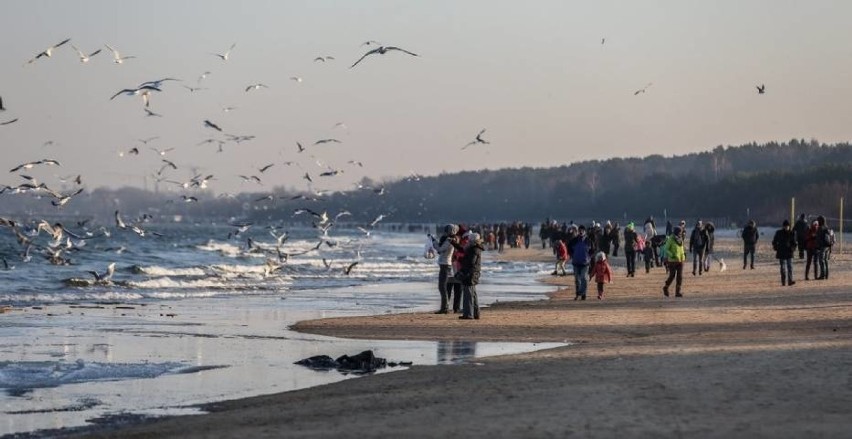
534 73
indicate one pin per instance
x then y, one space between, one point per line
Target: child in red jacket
603 273
561 258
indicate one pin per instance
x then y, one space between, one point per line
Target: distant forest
726 184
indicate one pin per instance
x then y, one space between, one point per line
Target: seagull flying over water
83 57
478 139
47 53
116 56
224 56
381 50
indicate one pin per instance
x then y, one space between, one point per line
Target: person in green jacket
675 255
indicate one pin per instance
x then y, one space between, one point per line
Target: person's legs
578 275
823 263
443 274
679 278
631 262
783 272
456 288
615 250
584 281
474 302
745 257
467 303
696 259
669 279
808 261
751 255
818 264
789 266
701 268
600 290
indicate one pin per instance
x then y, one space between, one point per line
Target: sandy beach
738 356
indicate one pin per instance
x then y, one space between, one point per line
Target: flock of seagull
62 241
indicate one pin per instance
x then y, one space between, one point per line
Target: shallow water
199 322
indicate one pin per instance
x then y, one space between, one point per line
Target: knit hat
786 223
630 226
600 256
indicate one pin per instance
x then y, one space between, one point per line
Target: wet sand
738 356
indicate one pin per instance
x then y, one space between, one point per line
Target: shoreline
637 353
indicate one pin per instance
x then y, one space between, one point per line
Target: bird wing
94 53
376 50
61 43
79 52
348 269
9 122
401 50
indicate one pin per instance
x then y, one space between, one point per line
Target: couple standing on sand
467 271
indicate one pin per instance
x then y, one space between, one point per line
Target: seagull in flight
149 139
761 89
83 57
116 56
168 164
161 152
376 221
265 168
643 89
256 87
324 58
478 139
224 56
348 269
193 89
296 78
381 50
144 90
301 148
149 113
321 141
209 124
253 178
47 53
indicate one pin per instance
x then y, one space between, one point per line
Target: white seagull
224 56
83 57
116 56
47 53
256 87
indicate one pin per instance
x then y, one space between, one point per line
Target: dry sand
738 356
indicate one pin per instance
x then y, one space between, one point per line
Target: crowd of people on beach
459 248
576 243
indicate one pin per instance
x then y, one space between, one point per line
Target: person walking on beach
750 236
650 233
648 256
444 247
810 250
603 273
578 249
630 242
824 241
710 229
800 229
784 244
674 254
616 239
469 274
698 247
561 258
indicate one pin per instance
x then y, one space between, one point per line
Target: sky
535 75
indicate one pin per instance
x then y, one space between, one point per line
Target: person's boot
791 283
783 280
677 292
666 290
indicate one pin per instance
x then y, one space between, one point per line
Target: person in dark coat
698 247
615 238
630 241
823 247
784 244
750 236
801 232
578 249
469 274
711 241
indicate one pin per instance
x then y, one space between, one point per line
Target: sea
194 314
